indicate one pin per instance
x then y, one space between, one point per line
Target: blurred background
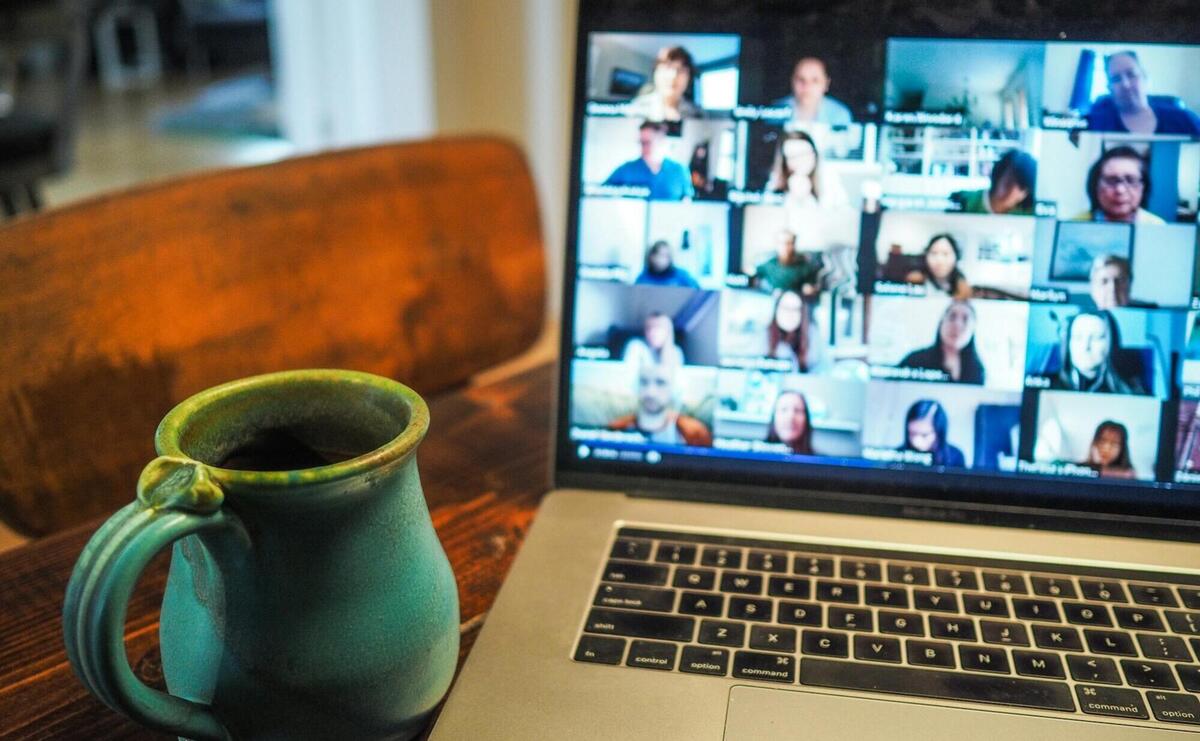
99 95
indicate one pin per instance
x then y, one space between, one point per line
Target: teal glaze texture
305 604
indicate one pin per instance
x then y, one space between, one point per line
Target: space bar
1029 693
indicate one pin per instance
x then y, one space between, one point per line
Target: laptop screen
826 248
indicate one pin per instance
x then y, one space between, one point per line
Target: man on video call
667 179
656 417
810 101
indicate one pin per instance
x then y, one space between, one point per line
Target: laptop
879 405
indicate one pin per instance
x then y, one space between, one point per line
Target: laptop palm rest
758 712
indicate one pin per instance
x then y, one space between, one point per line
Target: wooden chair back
418 261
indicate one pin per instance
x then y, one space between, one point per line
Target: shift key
640 625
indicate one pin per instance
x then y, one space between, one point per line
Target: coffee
277 449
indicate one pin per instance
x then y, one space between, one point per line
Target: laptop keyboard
1052 637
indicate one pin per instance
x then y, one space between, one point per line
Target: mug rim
170 429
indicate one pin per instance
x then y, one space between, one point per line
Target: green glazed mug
308 595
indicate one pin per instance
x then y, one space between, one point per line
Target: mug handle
176 497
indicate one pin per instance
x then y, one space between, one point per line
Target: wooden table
484 466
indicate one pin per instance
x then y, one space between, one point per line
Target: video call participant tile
636 158
1075 436
641 324
788 331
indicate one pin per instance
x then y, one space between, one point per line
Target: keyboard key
1187 623
1111 701
789 586
1036 609
600 650
1174 708
635 598
914 574
679 553
741 583
861 570
1004 633
985 604
821 643
1031 693
635 573
1149 674
1190 597
812 565
1052 586
1057 638
1093 669
632 549
994 581
837 591
952 628
697 660
933 601
877 648
983 659
652 655
1109 642
1038 664
744 608
850 618
1165 648
1138 618
1157 596
695 578
1102 591
701 603
953 578
930 653
887 596
901 623
640 624
725 558
800 613
721 633
1190 676
770 667
773 638
767 561
1081 613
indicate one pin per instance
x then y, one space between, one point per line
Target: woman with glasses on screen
1118 187
953 350
669 95
1091 344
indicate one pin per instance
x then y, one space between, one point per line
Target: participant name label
1057 469
771 364
1064 122
1049 295
923 118
891 455
908 374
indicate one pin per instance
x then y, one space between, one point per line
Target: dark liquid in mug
279 450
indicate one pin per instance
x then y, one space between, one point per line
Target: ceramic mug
308 595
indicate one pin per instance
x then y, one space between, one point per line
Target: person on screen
953 349
939 268
790 423
790 331
1090 344
667 179
925 430
1109 283
1012 190
1109 451
657 344
1129 107
810 100
656 416
660 269
670 95
788 270
796 173
1118 187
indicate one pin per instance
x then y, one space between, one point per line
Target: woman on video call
790 423
789 332
1118 188
1109 451
797 174
660 269
953 349
939 268
925 430
669 96
1012 189
1090 345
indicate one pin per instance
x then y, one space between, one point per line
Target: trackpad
756 713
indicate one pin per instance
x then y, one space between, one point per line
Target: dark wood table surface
484 466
